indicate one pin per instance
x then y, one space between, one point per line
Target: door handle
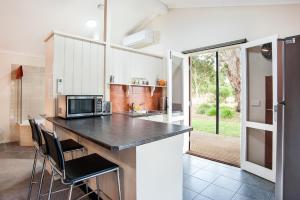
282 103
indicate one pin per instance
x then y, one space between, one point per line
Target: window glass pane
259 97
229 92
177 85
259 147
204 93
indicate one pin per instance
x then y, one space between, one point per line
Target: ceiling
221 3
25 24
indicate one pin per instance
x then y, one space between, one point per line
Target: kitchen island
148 153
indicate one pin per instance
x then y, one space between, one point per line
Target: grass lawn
227 128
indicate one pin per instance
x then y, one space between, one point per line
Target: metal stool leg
119 184
51 185
70 192
86 187
98 187
42 177
32 175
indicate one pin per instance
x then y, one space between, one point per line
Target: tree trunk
231 60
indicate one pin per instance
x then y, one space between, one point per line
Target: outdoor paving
216 147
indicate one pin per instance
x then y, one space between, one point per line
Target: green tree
204 74
230 60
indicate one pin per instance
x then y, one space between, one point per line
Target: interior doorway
215 110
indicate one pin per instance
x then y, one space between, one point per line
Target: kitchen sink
143 113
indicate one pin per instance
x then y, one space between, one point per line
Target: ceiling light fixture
91 23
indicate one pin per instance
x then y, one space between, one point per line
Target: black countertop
118 132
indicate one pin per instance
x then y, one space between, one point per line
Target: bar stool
78 170
68 146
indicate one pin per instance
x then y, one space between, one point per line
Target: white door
178 91
259 96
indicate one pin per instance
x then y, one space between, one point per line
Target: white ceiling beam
224 3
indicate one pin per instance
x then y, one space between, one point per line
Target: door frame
256 169
185 81
185 97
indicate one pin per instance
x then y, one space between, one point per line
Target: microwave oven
74 106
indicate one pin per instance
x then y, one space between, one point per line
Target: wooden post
107 35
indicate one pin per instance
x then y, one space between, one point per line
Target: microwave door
80 106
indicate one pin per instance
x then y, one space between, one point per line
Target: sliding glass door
203 80
229 92
215 112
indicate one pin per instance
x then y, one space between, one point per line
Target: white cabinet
68 76
78 66
96 69
86 68
126 65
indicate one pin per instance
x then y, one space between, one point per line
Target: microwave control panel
98 105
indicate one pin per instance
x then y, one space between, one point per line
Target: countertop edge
155 139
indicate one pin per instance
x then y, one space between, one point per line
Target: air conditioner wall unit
140 39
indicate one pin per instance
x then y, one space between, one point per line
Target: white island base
153 171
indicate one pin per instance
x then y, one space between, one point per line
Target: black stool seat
66 145
85 167
70 145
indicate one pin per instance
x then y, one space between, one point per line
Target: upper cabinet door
69 66
96 69
86 68
78 69
58 63
93 68
100 70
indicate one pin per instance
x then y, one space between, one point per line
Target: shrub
202 109
225 92
226 112
211 111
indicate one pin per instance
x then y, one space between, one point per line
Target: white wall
183 29
6 60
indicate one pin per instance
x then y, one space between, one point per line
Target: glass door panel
178 91
259 150
229 92
177 86
204 93
259 84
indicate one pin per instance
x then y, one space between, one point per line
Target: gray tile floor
208 180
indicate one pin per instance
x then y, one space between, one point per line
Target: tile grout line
237 191
242 181
203 190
